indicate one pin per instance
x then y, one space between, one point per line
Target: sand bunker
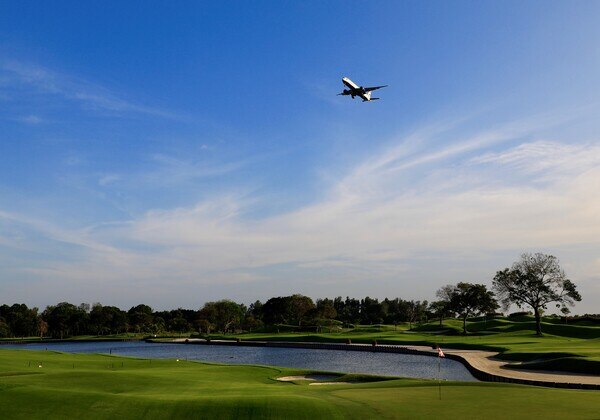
330 383
308 378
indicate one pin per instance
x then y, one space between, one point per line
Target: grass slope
100 387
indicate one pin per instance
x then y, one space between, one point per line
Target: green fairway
98 386
574 348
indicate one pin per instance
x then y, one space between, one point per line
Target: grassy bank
96 386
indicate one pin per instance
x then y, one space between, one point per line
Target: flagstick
440 377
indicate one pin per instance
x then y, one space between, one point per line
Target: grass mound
563 364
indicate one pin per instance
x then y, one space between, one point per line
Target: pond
391 364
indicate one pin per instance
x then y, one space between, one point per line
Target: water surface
406 365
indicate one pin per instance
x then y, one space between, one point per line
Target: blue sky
174 154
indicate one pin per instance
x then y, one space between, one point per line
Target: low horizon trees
18 320
65 319
535 280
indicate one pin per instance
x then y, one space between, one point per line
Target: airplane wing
369 89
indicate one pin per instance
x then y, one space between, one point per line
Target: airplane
363 92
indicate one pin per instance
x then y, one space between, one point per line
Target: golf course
570 348
49 385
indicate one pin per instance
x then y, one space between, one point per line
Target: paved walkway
487 362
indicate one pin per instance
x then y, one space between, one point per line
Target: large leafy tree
300 307
277 310
141 318
536 280
468 299
224 314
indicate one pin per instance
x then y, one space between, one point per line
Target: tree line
224 316
536 280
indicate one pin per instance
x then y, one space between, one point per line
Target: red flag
440 352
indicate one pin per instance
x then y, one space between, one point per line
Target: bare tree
535 280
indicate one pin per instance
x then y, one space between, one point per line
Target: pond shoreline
471 359
481 364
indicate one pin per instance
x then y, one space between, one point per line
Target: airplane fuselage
355 90
363 91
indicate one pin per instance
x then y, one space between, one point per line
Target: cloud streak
371 227
21 76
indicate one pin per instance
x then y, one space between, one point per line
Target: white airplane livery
354 90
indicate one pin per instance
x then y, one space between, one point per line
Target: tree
415 310
277 310
443 307
224 314
371 311
256 310
4 328
300 305
535 280
203 324
141 318
468 299
42 327
21 321
440 309
65 319
348 311
179 325
326 309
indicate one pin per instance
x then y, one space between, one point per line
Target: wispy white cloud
371 226
108 179
19 75
30 119
162 170
173 170
551 157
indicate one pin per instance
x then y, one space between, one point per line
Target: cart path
486 361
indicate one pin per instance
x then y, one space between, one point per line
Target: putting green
98 386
